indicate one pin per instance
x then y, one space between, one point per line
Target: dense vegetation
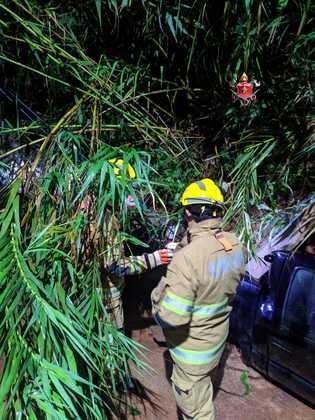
82 82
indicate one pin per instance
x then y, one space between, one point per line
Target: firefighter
192 303
114 264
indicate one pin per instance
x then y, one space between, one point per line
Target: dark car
273 322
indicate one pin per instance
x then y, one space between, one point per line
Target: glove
163 256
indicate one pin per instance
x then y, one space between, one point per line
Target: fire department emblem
244 90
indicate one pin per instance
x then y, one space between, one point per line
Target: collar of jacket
206 226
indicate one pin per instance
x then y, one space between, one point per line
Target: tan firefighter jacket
113 262
192 303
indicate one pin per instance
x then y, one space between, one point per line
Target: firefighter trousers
193 394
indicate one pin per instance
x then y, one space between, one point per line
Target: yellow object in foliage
119 165
202 192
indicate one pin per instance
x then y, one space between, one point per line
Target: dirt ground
265 402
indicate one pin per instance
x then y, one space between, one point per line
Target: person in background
108 242
192 302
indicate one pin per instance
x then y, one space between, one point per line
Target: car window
299 309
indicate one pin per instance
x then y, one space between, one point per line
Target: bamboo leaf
170 22
98 4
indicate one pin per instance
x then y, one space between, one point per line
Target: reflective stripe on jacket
192 303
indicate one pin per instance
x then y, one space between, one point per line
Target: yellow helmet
119 164
202 192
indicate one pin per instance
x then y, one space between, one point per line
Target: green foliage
247 189
244 381
62 357
154 65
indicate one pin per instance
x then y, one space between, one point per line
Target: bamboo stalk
51 135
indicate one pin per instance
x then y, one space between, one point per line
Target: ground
265 402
